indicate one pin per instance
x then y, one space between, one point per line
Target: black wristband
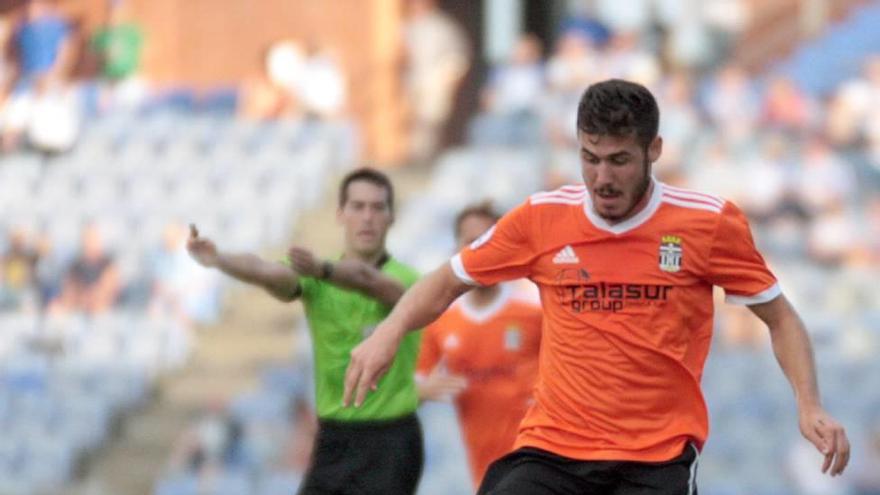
326 270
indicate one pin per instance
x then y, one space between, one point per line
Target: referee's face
617 173
366 217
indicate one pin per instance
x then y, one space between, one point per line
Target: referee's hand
370 361
828 436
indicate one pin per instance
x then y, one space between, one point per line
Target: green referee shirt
339 319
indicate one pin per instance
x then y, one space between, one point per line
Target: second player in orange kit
484 352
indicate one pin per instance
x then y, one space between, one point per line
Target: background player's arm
280 281
349 274
432 381
423 303
791 344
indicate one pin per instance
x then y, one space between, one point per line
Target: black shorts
530 471
366 458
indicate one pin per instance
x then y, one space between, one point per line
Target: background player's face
471 228
617 172
366 217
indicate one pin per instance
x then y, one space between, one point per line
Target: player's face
617 172
471 228
366 217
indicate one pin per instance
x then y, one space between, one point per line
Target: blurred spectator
213 445
866 472
512 99
7 66
516 87
870 229
18 278
43 44
92 283
680 125
633 15
855 106
437 56
179 287
786 107
321 89
767 176
833 235
44 51
626 58
725 19
688 43
268 95
573 65
825 180
49 270
119 45
732 103
716 172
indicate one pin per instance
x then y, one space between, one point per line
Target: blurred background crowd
121 121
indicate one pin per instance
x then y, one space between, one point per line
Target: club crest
670 253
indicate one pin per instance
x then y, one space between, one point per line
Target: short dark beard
643 189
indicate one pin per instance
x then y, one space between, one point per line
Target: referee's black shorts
366 458
529 471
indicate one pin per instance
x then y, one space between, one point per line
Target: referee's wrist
326 269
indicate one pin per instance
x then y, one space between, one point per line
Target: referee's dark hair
370 175
619 108
481 209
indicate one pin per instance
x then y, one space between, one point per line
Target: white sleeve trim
766 295
460 272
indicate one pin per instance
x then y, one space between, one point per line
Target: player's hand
201 249
828 436
370 361
304 262
440 385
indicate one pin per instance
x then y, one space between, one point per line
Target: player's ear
655 149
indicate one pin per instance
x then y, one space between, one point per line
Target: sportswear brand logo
566 255
670 253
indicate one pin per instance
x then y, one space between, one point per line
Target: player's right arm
503 253
278 280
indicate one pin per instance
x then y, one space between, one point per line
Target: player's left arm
350 274
793 350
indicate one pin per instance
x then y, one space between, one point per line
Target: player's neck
483 296
640 205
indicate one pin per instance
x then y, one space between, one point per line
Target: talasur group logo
578 292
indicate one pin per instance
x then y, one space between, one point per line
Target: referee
375 448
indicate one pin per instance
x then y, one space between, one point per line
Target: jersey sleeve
735 263
429 353
503 253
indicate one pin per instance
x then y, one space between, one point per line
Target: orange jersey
627 314
496 349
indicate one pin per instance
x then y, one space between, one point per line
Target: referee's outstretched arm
277 279
791 344
348 273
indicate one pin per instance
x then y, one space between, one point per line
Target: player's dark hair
619 108
366 174
481 209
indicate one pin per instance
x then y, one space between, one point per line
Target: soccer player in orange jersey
625 266
484 351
